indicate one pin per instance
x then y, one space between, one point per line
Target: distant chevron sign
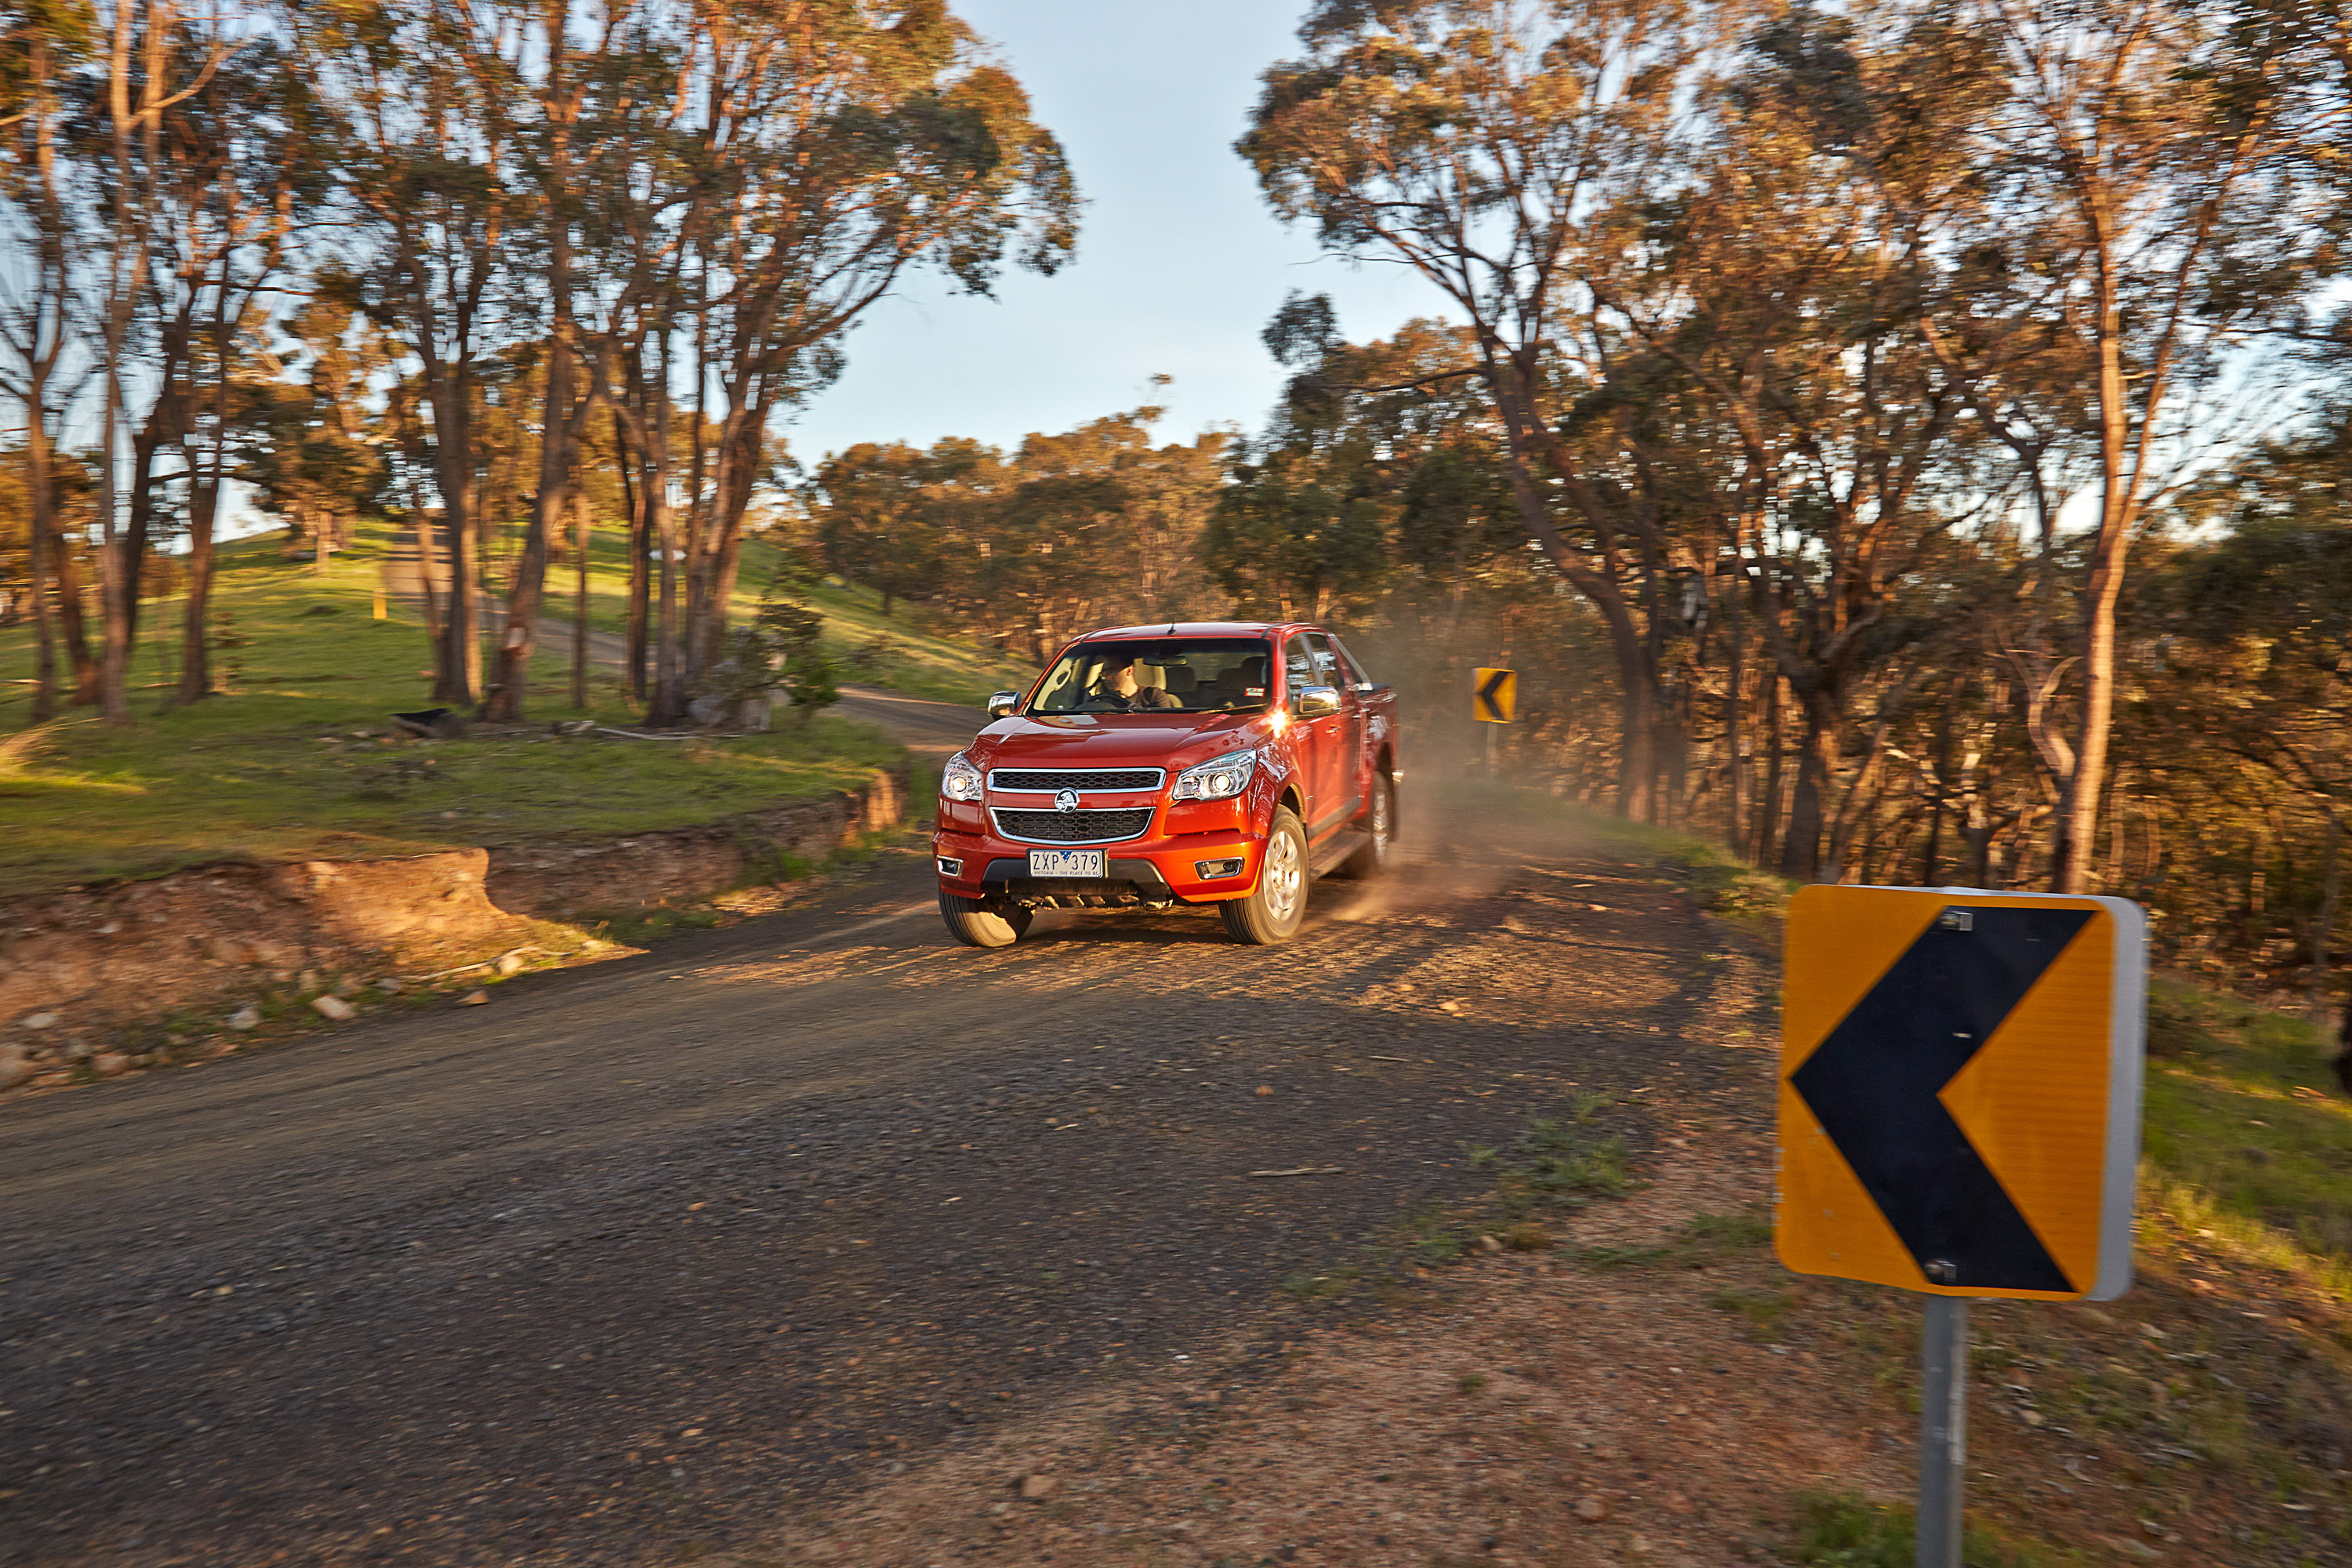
1959 1090
1494 695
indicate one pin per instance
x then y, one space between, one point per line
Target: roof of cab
1188 629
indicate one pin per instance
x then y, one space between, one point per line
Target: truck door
1321 741
1347 743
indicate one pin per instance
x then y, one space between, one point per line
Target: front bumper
1159 868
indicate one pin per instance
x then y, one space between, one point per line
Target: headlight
1220 778
959 780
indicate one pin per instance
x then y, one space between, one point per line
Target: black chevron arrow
1873 1086
1490 694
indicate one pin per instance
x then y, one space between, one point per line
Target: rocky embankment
103 979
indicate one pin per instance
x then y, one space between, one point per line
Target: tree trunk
428 555
459 669
1801 848
2079 821
114 574
196 652
668 704
512 677
557 423
1734 737
731 500
44 540
579 603
1768 805
632 496
138 533
45 665
114 617
2322 930
1932 855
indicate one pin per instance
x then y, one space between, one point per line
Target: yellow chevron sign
1494 695
1960 1091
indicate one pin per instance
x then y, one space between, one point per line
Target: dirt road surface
681 1246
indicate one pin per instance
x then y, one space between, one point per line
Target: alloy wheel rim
1380 822
1282 876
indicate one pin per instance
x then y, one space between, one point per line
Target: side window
1351 663
1298 671
1329 671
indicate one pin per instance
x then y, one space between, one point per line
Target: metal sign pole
1943 1430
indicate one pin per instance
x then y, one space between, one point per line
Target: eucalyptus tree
882 510
425 166
1512 152
237 183
604 104
1331 499
156 56
2149 212
1798 266
42 47
841 145
2256 652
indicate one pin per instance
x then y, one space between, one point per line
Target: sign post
1959 1117
1943 1430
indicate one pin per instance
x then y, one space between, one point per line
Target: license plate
1065 862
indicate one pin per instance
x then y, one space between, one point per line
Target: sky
1180 261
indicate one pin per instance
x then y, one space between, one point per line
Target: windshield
1160 675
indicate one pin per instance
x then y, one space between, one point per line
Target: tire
1379 853
974 924
1272 913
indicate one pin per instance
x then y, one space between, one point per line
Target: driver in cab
1118 691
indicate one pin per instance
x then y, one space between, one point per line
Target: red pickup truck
1226 763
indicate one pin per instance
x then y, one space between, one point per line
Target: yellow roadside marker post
1493 699
1959 1109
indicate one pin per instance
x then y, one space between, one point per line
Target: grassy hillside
2248 1138
902 651
294 759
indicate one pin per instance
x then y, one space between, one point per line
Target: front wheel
974 924
1272 913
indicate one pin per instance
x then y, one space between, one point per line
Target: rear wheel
1273 908
1379 851
974 924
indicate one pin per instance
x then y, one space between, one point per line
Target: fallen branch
635 735
468 968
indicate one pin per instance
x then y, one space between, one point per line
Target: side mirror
1318 702
1000 703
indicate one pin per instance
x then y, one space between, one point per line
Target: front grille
1104 782
1075 827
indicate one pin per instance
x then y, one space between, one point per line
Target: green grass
275 768
2245 1134
1844 1530
906 650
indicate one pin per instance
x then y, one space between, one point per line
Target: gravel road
667 1248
